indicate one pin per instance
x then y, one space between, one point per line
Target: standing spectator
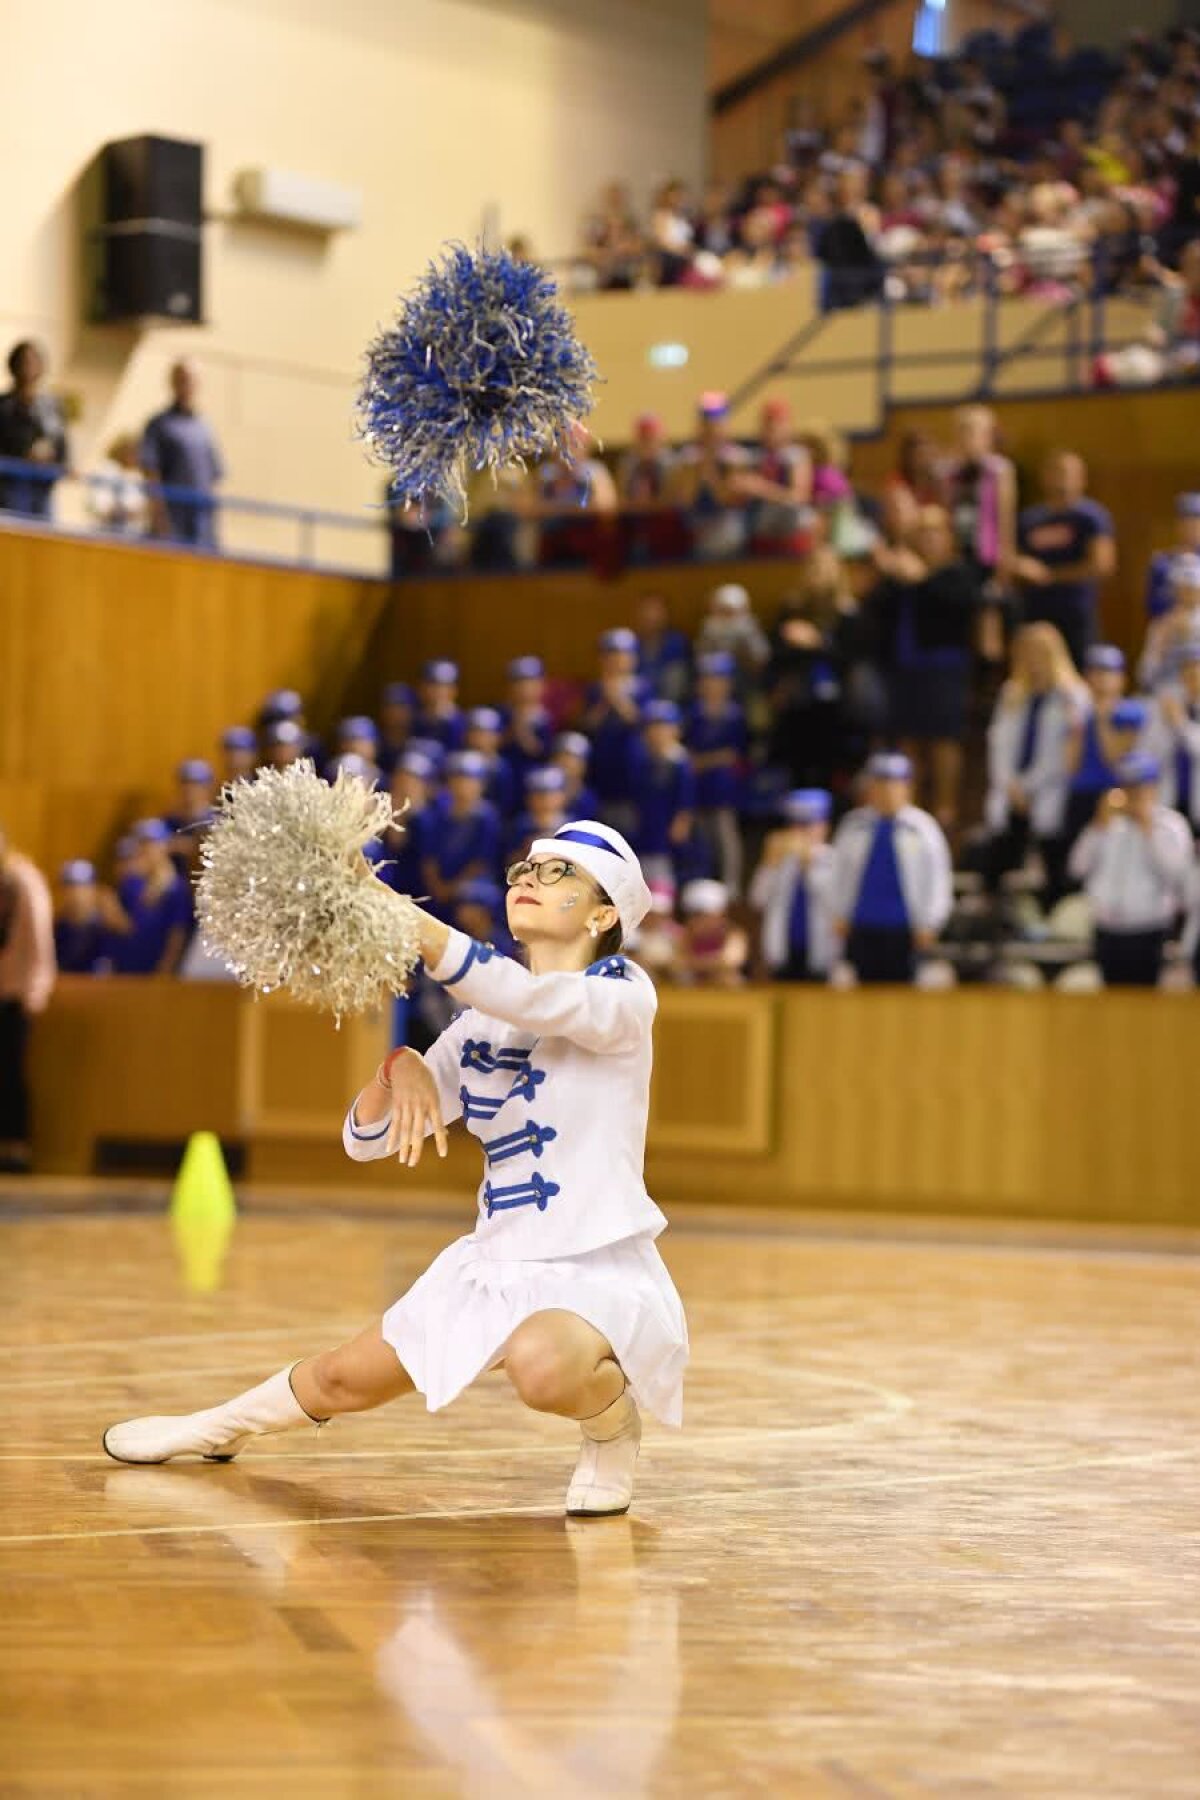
981 492
485 734
791 890
397 709
713 951
179 450
612 719
157 903
82 930
814 643
891 885
1066 549
1135 862
707 482
927 607
26 982
718 742
239 752
1159 589
1036 717
730 625
778 487
1173 736
572 754
664 787
664 653
31 431
414 780
527 722
459 833
1173 631
439 715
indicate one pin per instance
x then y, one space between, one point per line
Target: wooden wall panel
976 1103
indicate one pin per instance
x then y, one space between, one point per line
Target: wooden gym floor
930 1530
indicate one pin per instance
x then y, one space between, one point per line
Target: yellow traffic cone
203 1212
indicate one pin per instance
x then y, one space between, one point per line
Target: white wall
435 109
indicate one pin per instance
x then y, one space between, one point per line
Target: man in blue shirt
1066 549
179 450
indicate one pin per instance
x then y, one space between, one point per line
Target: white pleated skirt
454 1322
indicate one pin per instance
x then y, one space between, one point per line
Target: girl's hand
415 1107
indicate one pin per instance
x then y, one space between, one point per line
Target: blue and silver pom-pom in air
480 369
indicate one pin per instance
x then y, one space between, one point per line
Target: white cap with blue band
606 856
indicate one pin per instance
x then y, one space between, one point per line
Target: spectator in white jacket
1039 708
1173 735
891 887
1170 635
791 890
1135 862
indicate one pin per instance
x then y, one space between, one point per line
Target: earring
593 929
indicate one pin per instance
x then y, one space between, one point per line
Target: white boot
218 1433
603 1480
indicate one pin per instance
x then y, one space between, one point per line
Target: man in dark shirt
179 450
32 431
1065 550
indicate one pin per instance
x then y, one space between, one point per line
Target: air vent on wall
281 198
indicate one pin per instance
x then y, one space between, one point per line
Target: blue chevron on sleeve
611 966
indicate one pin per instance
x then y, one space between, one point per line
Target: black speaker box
142 208
152 179
151 271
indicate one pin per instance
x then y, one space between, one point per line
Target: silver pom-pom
288 899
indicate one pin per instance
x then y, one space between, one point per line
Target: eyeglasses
553 870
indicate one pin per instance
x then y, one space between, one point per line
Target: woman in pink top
27 971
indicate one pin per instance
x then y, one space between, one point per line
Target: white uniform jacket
1166 741
922 857
1136 880
1047 779
552 1074
772 892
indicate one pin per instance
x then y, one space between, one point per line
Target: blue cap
358 725
1139 770
152 831
398 693
661 712
351 763
620 637
1105 656
415 762
196 770
283 703
432 749
889 765
526 668
468 762
1187 506
284 731
441 671
807 806
545 781
79 873
1128 715
716 662
485 718
574 743
239 737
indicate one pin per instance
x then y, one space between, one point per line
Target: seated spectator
790 889
576 498
730 625
397 711
778 487
613 243
830 486
358 735
1177 331
83 940
706 483
1160 597
426 534
717 740
505 534
1036 719
664 788
890 885
459 833
1135 862
657 943
527 722
117 496
479 911
671 234
713 951
612 718
664 652
545 810
752 262
927 610
195 780
438 712
284 742
572 754
485 734
413 785
652 526
31 431
1173 736
152 930
239 753
1173 631
281 703
847 244
1066 550
179 451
